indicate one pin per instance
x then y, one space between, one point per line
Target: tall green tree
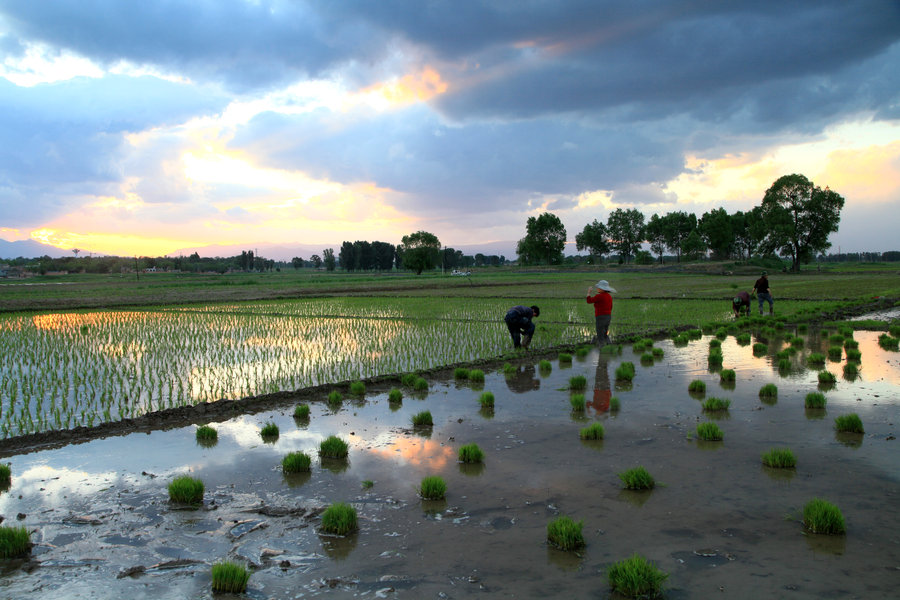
626 230
655 233
347 256
799 217
594 238
297 262
544 241
678 226
420 251
328 259
715 229
316 260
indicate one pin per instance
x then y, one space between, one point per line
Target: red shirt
602 303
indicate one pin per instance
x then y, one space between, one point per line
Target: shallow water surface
718 522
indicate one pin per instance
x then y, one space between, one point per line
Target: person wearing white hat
602 302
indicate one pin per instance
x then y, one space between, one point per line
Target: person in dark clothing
741 304
763 293
518 321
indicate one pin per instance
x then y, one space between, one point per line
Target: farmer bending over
602 302
518 321
763 294
741 304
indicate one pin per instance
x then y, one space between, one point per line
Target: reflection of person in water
523 380
602 393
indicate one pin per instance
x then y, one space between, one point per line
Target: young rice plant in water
827 377
716 404
637 478
14 541
779 458
625 371
461 373
821 516
577 402
5 474
709 432
433 488
423 419
296 462
565 534
229 577
476 375
614 404
339 519
769 390
727 375
592 432
697 387
564 358
636 577
333 447
471 453
269 432
577 382
849 424
486 400
815 400
301 412
186 490
358 388
395 396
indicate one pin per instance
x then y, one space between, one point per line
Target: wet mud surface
718 522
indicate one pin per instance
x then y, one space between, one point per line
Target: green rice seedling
784 365
637 478
14 541
802 328
333 447
853 354
894 329
827 377
367 484
846 331
409 379
850 344
646 358
715 404
625 371
815 359
594 431
564 358
486 400
715 343
798 342
759 348
395 395
583 351
814 400
657 352
614 404
5 474
727 375
508 369
577 382
476 375
636 577
335 398
835 352
638 347
821 516
565 534
269 432
471 453
186 490
461 373
770 390
545 367
358 388
296 462
709 432
779 458
697 387
680 340
301 412
421 384
850 370
229 577
836 339
422 419
339 519
577 402
694 334
849 424
779 325
783 354
721 333
433 488
715 358
888 342
206 435
744 339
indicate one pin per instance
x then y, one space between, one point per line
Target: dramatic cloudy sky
146 127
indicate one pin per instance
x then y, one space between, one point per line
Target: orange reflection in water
418 451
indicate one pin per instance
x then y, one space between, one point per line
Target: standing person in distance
763 293
602 302
518 321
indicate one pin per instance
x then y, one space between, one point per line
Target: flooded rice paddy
718 522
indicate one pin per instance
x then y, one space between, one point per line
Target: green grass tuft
269 432
296 462
358 388
760 348
888 342
486 400
827 377
421 384
849 423
770 390
779 458
564 358
333 447
5 474
471 453
476 375
14 541
301 412
461 373
592 432
814 400
577 402
339 519
625 371
578 382
335 398
186 490
614 404
433 488
709 432
853 354
715 404
850 370
697 387
636 577
637 478
204 434
408 379
229 577
422 419
727 375
821 516
395 395
815 359
565 534
657 352
835 352
545 366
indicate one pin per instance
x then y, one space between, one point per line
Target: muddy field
719 523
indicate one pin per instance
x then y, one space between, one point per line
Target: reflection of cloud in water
52 486
416 451
244 431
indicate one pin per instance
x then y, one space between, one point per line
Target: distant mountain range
30 249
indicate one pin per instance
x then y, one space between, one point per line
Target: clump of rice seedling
625 371
779 458
339 519
850 370
827 377
851 344
637 478
835 352
335 398
786 353
854 354
206 436
815 359
815 400
657 352
646 358
592 432
770 390
368 484
14 541
784 365
697 387
486 400
614 404
577 402
395 395
714 358
565 534
333 447
476 375
471 453
721 333
709 432
433 488
680 340
694 334
545 366
229 577
409 379
421 384
743 339
508 369
5 474
186 490
577 382
849 424
269 432
760 348
821 516
846 331
715 343
802 328
727 375
797 342
358 388
894 329
888 342
461 373
715 404
301 412
582 351
296 462
564 358
423 419
636 577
